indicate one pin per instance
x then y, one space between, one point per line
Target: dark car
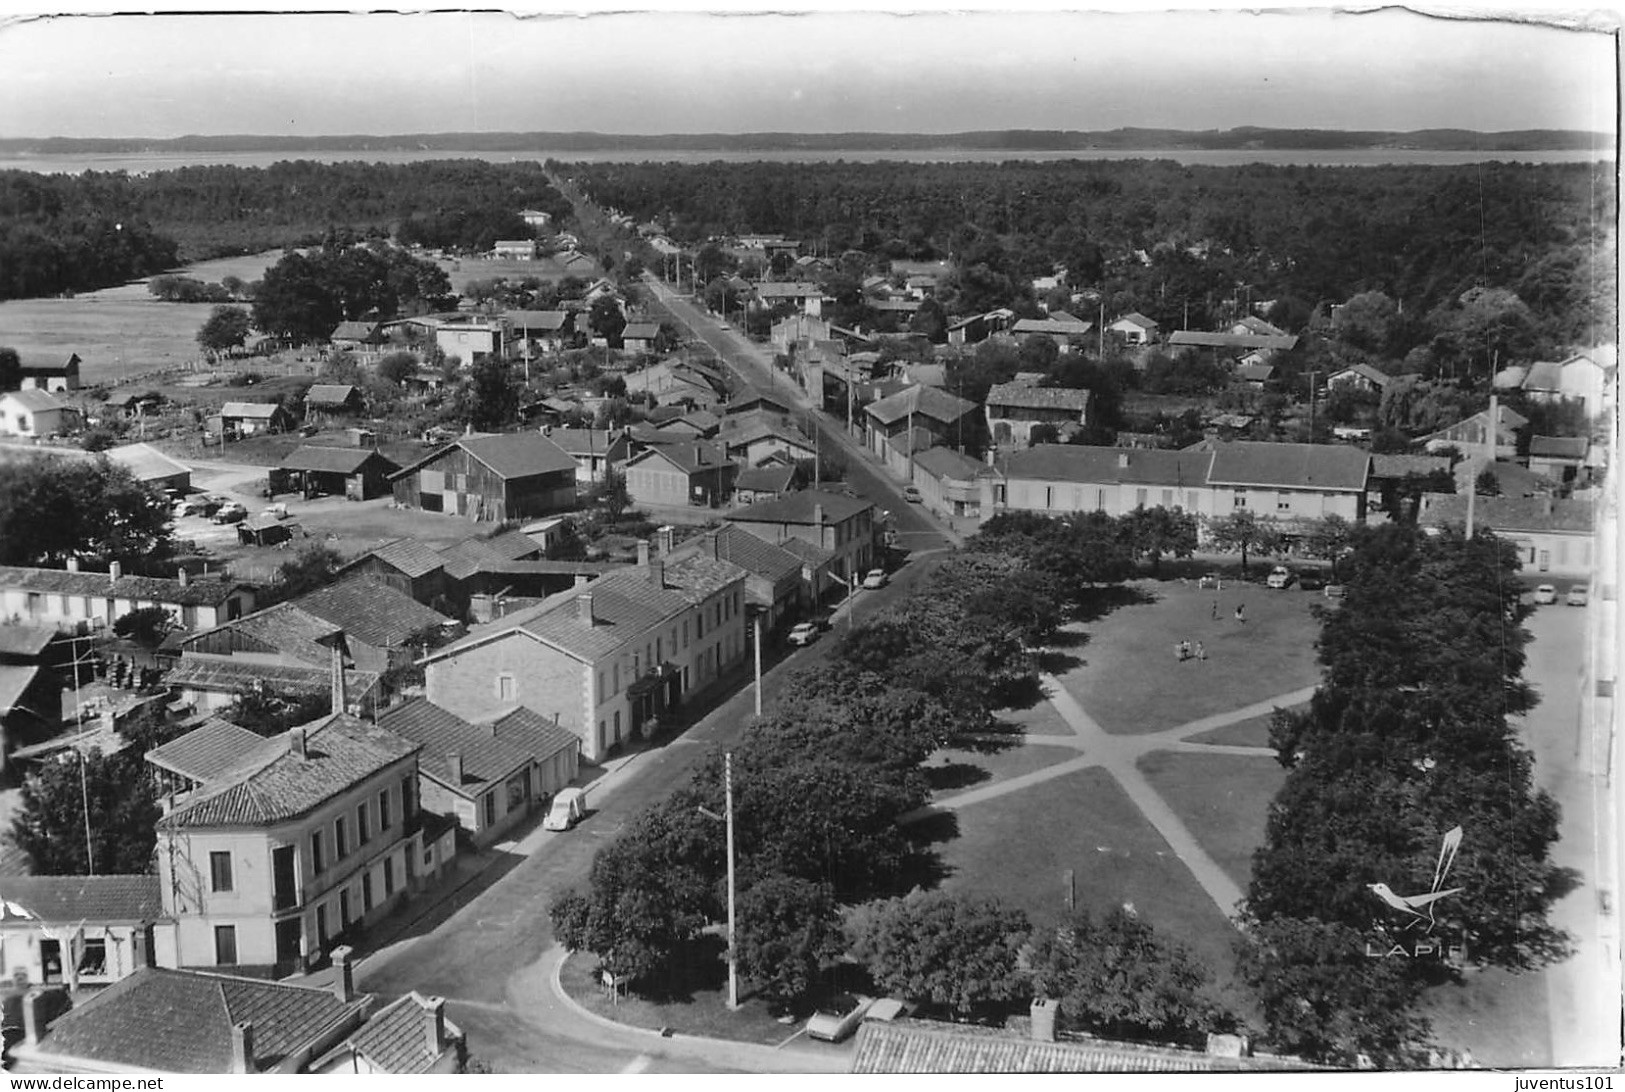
1311 580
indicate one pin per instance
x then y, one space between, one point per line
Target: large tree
788 932
52 819
225 328
54 509
957 953
1243 532
1153 532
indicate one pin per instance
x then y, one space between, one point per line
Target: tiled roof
519 454
701 576
181 1021
643 330
802 508
196 592
1080 463
409 556
442 733
763 430
766 479
1509 513
545 321
811 554
353 331
1254 373
334 460
394 1039
748 400
1256 325
211 751
1559 447
25 640
1139 320
924 401
14 683
689 456
750 553
371 611
1397 466
919 1046
463 559
232 674
249 409
1053 326
146 462
1543 375
1365 371
1295 466
82 898
1022 396
945 462
285 628
529 730
330 394
36 401
1230 341
788 290
1474 429
340 752
587 441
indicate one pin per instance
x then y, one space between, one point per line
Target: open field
463 270
1130 682
1244 733
1223 799
1018 848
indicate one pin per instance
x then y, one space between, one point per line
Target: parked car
911 493
1210 580
275 511
1280 577
887 1009
1334 591
1311 581
723 326
803 633
876 578
1546 594
839 1018
231 513
1578 596
569 808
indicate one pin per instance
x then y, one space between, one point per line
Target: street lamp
728 818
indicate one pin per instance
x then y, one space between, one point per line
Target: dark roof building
513 475
78 899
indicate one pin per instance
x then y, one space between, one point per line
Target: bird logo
1421 907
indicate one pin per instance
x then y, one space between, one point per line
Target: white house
1135 329
35 413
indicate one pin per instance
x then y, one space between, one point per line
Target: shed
353 472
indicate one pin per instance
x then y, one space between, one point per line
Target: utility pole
758 665
728 806
1312 375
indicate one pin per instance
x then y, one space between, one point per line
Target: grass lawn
1018 848
955 769
704 1013
1223 800
1130 682
1253 732
1500 1017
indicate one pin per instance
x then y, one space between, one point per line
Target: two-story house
596 451
269 853
494 478
842 525
73 599
604 658
1015 409
902 424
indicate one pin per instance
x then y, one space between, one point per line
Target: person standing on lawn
1201 652
1241 613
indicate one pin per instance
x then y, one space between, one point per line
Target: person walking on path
1201 652
1179 651
1215 610
1241 613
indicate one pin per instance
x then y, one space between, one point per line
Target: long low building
1273 481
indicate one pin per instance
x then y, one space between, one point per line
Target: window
366 892
1049 497
219 871
344 908
430 502
660 651
602 738
340 848
615 675
383 809
93 958
699 628
1239 500
1167 498
407 810
491 802
601 681
389 876
316 851
685 632
321 926
617 727
1283 502
505 688
1139 498
225 945
361 831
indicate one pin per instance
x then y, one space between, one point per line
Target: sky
675 71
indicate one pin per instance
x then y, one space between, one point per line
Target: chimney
584 607
434 1025
657 572
73 564
666 535
242 1048
296 742
643 554
115 571
1122 460
713 542
343 973
1043 1019
340 694
581 580
991 456
34 1019
455 762
141 954
818 514
184 577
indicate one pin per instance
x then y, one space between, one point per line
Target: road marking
638 1064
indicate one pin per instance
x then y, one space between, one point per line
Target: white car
876 578
803 634
1280 577
839 1018
1545 594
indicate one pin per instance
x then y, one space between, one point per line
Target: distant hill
1014 140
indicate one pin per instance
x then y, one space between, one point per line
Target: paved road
917 529
487 957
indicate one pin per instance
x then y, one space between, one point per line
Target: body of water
146 163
